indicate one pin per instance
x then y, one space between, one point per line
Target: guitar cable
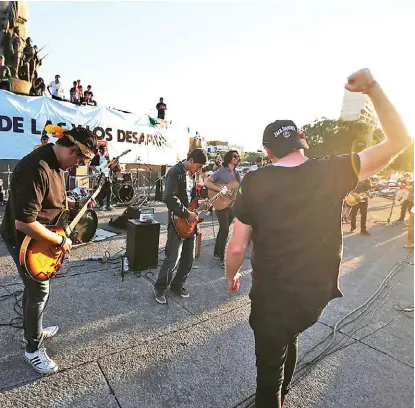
17 295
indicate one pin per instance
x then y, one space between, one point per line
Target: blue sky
228 69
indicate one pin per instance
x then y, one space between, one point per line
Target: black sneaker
352 229
216 256
160 297
222 264
180 292
365 232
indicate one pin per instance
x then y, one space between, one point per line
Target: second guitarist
362 192
179 192
224 175
106 192
37 199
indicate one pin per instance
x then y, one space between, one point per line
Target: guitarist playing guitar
179 192
98 161
37 199
224 175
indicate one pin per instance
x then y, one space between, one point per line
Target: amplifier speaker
131 212
142 244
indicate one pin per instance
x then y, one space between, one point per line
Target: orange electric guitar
41 259
185 228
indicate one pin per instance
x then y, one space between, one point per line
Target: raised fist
360 81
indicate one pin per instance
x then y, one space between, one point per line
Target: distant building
358 106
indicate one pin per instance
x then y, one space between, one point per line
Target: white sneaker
41 362
48 332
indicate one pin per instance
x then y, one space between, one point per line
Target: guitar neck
78 216
210 202
106 166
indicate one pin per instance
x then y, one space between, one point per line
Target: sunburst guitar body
41 259
184 228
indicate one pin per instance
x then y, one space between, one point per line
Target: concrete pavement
118 348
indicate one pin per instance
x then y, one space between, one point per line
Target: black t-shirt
161 107
37 193
295 215
88 95
95 160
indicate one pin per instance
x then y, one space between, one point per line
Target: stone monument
14 31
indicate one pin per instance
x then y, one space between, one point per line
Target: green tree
330 137
251 156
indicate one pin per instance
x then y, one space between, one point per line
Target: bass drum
85 230
123 191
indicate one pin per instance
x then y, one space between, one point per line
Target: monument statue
13 14
16 46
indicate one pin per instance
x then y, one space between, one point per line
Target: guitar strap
64 187
15 233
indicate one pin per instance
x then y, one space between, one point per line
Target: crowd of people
77 95
55 88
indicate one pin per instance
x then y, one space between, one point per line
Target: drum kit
133 187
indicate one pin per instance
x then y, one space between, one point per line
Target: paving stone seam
386 354
112 392
120 350
314 366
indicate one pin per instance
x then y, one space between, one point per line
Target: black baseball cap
282 137
45 136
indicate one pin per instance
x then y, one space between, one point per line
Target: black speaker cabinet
142 244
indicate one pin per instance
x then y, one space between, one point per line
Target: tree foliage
251 156
331 137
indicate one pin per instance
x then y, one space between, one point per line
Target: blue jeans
179 252
35 297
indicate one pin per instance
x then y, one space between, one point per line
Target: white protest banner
23 118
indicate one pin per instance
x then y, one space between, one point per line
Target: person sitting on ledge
89 96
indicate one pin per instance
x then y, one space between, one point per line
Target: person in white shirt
57 91
258 164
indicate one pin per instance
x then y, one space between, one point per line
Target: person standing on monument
56 86
161 109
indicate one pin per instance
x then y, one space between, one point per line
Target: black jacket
175 195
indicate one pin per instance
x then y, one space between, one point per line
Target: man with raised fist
297 235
